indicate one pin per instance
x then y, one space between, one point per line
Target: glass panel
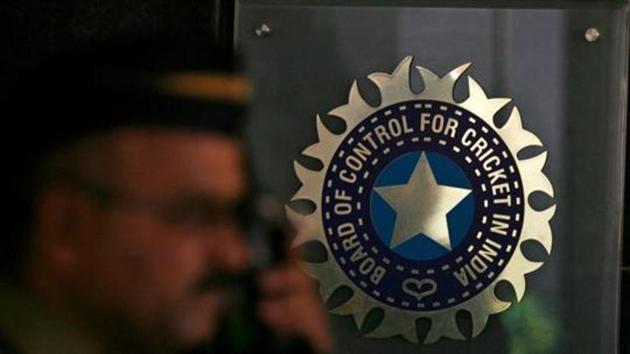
570 93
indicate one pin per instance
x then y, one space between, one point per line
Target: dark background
33 29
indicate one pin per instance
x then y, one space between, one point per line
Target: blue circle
398 172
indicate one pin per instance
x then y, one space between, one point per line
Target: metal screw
263 30
591 34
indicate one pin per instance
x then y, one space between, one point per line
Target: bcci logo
422 205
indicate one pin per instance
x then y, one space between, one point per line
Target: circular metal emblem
422 205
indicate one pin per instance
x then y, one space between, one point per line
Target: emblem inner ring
429 130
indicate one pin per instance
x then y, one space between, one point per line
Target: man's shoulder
6 347
28 325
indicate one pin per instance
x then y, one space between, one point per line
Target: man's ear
61 218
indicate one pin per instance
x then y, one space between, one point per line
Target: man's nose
229 249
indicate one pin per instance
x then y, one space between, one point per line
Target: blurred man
130 208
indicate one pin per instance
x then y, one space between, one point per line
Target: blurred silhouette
133 225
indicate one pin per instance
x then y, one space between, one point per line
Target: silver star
421 206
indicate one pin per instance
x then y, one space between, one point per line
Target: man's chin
196 321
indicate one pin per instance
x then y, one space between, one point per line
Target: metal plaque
368 121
